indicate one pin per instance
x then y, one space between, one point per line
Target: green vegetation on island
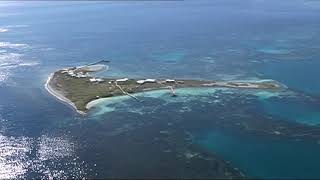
78 87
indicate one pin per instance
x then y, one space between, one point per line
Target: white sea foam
9 58
6 63
3 30
13 60
29 64
13 45
3 76
9 27
10 61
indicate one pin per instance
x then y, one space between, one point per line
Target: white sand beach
60 96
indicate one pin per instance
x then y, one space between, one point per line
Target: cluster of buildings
72 73
80 74
146 80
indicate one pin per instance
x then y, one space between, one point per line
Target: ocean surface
265 134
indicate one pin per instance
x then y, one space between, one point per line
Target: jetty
173 92
124 92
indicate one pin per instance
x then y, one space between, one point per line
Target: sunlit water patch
60 150
22 156
14 156
54 148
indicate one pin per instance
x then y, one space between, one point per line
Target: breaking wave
8 45
3 30
10 61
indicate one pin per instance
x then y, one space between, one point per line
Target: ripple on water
272 50
9 45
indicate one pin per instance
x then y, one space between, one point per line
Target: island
77 86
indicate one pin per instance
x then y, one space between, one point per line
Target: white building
146 81
93 80
140 81
150 80
96 80
170 80
99 80
122 80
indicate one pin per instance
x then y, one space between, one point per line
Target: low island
77 86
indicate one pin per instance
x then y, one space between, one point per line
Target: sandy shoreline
187 84
60 96
95 102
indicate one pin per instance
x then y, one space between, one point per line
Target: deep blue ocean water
207 39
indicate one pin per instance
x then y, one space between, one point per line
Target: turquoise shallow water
301 112
301 75
264 134
265 158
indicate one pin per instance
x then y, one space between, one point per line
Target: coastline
59 96
95 102
83 91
